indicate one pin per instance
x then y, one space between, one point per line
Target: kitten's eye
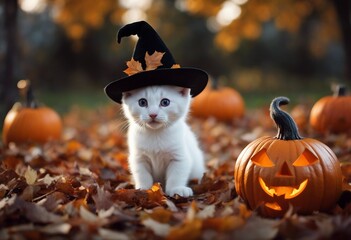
165 102
142 102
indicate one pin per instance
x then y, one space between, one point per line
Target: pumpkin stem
214 83
340 90
287 129
26 91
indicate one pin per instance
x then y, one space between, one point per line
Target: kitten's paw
181 191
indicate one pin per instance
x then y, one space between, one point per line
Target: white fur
166 151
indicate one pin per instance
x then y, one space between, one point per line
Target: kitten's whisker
124 126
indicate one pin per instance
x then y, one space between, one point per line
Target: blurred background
263 48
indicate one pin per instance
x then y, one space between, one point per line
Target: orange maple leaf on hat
175 66
152 62
133 67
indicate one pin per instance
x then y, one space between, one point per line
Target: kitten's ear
184 91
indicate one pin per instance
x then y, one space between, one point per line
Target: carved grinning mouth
288 192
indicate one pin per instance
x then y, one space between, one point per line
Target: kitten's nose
153 115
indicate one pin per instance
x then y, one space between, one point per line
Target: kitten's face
155 107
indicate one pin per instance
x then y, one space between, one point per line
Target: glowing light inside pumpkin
261 159
306 159
287 191
274 206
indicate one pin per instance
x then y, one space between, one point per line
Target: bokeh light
32 6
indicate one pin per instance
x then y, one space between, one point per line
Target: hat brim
193 78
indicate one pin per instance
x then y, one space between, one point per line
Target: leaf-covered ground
80 187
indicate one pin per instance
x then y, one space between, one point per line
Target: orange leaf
154 60
73 146
175 66
156 194
223 224
133 67
188 230
161 215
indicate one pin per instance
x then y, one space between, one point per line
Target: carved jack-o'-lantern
272 173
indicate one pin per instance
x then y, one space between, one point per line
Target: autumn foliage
80 187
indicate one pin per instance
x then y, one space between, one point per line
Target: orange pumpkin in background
272 173
223 103
331 114
29 123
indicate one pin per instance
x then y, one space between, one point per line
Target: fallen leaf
59 228
7 201
223 224
188 230
106 213
102 199
207 212
30 175
87 215
257 228
160 229
38 214
160 214
109 234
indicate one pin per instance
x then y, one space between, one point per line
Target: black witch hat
149 48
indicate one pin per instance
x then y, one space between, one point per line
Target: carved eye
307 158
165 102
261 159
142 102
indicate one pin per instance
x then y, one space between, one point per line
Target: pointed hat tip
134 28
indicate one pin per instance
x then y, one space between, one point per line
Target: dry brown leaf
38 214
84 182
257 228
160 229
109 234
87 215
207 212
102 199
156 194
188 230
57 228
223 224
160 214
30 175
153 61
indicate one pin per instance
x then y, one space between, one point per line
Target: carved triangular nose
284 170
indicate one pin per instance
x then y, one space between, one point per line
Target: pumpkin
29 123
331 114
272 173
223 103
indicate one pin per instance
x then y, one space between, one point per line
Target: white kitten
162 147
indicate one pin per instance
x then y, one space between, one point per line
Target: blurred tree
78 17
343 9
8 81
71 43
235 20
